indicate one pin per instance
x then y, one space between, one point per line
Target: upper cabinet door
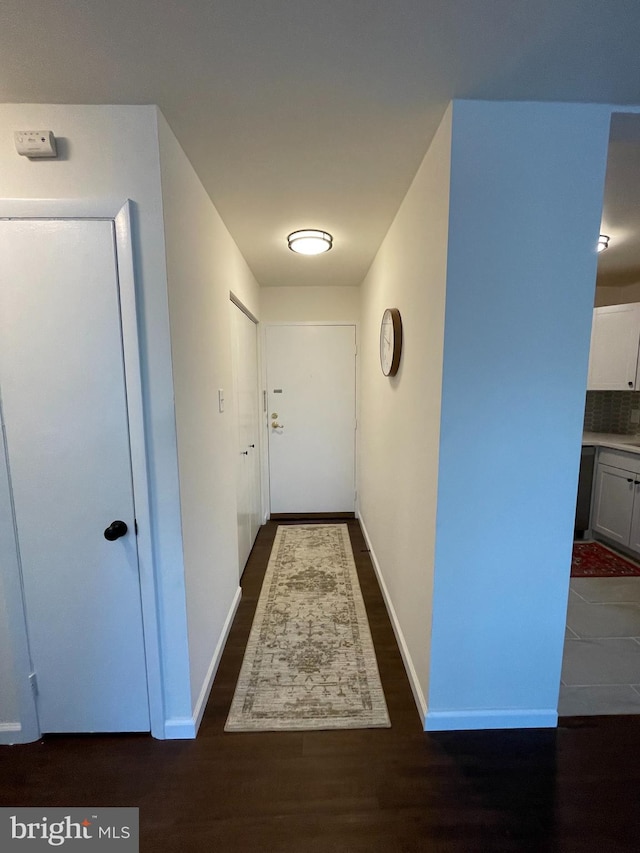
615 337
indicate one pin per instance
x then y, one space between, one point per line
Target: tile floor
601 665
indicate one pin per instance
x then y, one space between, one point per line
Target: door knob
275 425
244 452
115 530
252 445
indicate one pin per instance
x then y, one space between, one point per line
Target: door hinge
33 681
135 525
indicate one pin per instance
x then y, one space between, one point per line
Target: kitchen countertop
629 443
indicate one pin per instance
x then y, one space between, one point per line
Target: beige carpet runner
310 662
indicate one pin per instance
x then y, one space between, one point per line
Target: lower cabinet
616 503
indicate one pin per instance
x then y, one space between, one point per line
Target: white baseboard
420 700
10 733
447 721
186 728
201 704
180 728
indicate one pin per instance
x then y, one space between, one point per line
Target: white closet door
246 391
64 405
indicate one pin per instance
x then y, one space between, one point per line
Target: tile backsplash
610 411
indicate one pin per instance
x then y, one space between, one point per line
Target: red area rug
593 560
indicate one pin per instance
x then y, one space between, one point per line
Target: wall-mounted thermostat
35 143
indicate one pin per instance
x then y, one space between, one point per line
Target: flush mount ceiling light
603 242
310 241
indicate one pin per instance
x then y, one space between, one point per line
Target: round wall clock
390 341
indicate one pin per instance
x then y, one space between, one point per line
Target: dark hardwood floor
576 788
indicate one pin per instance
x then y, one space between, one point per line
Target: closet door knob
115 530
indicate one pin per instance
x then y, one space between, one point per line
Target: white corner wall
111 152
525 205
309 304
400 416
203 265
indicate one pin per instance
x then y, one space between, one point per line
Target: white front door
64 407
245 370
311 387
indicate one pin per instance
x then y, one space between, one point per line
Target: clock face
390 341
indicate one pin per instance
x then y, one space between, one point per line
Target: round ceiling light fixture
310 241
603 242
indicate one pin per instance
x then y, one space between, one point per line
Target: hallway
391 790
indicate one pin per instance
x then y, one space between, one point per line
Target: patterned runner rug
310 662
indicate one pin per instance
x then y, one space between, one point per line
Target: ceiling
299 114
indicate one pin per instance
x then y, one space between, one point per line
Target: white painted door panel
245 367
64 402
251 416
242 479
613 503
634 535
311 393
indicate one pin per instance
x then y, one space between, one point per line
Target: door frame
120 213
266 461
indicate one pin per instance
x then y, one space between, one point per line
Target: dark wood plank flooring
576 788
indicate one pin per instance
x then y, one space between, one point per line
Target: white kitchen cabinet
616 502
613 503
615 340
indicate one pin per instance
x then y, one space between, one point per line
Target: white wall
112 152
308 304
203 265
518 319
400 417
